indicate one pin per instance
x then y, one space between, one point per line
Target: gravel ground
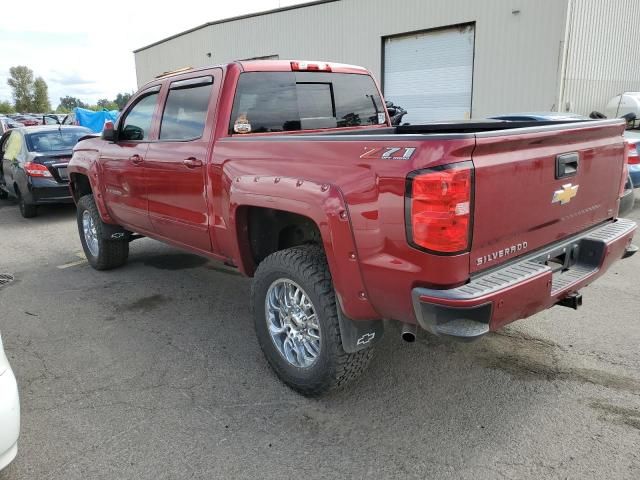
153 371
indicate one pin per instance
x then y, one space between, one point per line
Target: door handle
192 162
136 159
567 165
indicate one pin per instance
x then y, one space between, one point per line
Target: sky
85 49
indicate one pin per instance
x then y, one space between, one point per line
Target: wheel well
268 230
80 186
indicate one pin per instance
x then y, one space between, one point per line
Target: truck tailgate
522 199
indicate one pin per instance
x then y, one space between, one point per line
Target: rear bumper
522 288
45 190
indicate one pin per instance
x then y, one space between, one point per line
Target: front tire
296 320
102 254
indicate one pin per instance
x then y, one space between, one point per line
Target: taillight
36 170
310 67
633 155
438 208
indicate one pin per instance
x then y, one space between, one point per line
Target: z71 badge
389 153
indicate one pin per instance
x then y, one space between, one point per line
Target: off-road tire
111 253
334 368
27 210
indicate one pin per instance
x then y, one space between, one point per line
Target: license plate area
63 174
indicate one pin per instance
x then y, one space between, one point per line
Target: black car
34 165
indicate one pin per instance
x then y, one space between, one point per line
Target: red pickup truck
292 172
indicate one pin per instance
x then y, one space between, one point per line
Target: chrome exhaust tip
409 332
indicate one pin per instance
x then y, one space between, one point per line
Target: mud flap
114 232
358 334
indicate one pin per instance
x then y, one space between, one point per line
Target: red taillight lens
633 155
36 170
440 208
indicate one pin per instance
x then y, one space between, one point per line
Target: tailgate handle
567 165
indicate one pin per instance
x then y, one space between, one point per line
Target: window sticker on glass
382 118
242 124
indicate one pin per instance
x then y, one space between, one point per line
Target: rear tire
3 194
27 210
102 254
305 268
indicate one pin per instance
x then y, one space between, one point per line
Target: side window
186 109
13 146
137 124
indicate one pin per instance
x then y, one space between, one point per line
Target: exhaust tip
409 337
409 333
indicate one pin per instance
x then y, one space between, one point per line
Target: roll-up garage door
431 74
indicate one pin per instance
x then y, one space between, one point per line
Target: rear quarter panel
289 172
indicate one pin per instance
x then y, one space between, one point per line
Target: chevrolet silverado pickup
292 173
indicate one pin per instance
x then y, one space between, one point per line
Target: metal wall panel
603 57
517 44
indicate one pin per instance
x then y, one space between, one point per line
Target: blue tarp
94 120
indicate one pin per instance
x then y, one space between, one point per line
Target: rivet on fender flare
324 187
362 295
343 215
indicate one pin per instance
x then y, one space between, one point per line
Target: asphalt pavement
153 371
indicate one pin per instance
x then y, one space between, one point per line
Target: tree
69 103
6 107
21 82
121 100
40 102
103 103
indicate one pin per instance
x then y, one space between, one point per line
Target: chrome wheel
90 233
293 323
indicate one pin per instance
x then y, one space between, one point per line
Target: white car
9 412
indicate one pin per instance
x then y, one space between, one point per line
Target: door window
186 109
137 124
13 146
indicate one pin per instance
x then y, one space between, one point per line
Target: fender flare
84 163
325 206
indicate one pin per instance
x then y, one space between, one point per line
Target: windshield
54 140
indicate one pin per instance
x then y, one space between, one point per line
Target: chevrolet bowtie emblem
566 194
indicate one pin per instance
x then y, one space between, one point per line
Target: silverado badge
566 194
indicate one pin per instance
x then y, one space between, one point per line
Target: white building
440 59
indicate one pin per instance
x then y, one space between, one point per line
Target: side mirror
132 132
109 132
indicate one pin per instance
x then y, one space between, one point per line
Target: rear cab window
292 101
